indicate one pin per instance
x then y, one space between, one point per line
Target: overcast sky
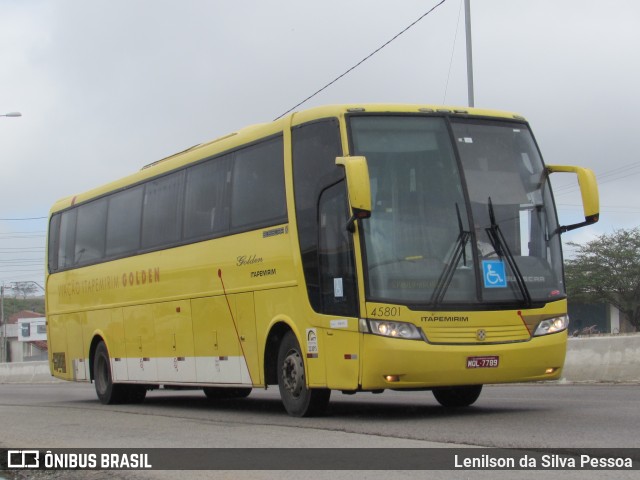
106 87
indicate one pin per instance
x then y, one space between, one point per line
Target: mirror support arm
589 191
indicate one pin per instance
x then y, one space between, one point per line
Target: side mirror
357 174
588 190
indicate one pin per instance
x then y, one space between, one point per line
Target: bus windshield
462 213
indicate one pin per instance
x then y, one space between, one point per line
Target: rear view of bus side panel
67 357
57 344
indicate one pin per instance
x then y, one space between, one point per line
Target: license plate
483 362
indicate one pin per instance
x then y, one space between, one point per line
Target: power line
21 219
21 249
360 62
608 176
613 209
12 237
20 260
453 49
22 270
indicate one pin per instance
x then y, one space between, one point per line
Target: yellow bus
355 248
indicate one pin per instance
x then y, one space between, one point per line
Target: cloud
108 86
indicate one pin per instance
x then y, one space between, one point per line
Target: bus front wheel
457 396
298 399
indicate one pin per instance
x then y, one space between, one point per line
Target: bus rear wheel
457 396
298 400
110 393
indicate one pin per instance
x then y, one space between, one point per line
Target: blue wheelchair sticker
494 274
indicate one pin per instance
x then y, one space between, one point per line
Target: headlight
391 329
552 325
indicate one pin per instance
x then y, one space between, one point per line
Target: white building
25 337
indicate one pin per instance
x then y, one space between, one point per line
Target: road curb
26 372
611 359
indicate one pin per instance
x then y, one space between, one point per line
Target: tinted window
91 232
335 254
194 203
162 205
315 148
258 197
67 238
207 198
123 222
54 244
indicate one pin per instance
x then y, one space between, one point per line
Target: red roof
40 345
24 314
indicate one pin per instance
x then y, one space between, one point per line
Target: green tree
607 269
14 305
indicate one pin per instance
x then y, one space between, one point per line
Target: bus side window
66 246
161 211
54 242
207 203
258 192
91 232
123 222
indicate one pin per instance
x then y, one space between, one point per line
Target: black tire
298 400
457 396
110 393
221 393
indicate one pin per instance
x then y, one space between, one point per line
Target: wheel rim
293 373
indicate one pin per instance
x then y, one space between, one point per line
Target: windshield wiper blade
458 252
462 231
502 250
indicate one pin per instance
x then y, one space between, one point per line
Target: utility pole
467 21
3 339
3 343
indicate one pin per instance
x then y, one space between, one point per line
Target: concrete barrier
26 372
614 358
611 358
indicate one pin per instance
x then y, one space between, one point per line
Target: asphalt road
68 415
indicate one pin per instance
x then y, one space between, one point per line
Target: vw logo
481 335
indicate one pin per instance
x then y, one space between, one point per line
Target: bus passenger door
338 289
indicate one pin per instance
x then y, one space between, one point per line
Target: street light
11 114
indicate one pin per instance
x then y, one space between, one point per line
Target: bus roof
255 132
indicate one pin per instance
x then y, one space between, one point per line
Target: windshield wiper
502 250
458 252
